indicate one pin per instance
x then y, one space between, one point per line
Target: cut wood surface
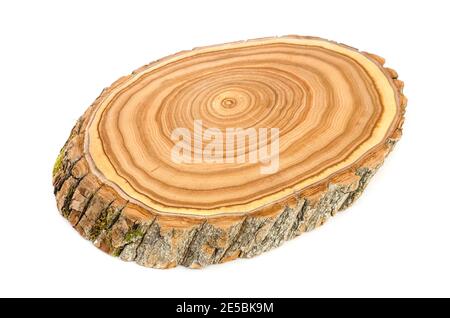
338 112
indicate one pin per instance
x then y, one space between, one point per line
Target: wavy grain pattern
339 112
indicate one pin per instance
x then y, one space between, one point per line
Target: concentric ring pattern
331 105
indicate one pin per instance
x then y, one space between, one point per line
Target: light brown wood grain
338 111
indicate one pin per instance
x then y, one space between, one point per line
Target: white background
55 58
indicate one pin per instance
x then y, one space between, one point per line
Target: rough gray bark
98 214
130 232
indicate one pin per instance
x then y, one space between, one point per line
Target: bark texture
132 233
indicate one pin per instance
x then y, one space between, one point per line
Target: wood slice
338 112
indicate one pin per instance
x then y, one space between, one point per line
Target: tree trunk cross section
336 112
